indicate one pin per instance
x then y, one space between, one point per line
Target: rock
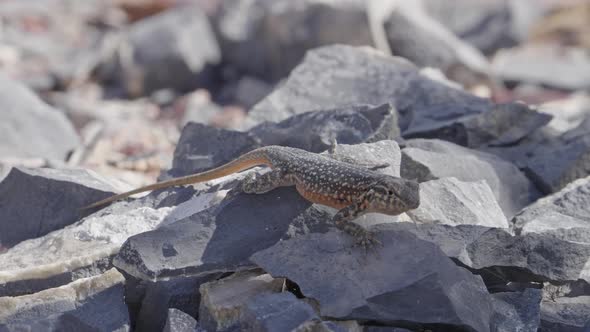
383 153
414 35
360 75
177 63
453 202
566 314
505 124
219 239
562 68
249 91
564 214
224 302
518 311
202 147
38 201
197 107
94 303
406 279
280 312
567 113
314 131
425 160
178 321
267 39
31 128
87 247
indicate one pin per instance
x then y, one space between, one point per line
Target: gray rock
219 239
504 124
267 39
179 321
38 201
31 128
517 311
433 159
406 279
566 314
178 63
383 153
453 202
223 302
564 213
360 75
557 67
86 248
314 131
90 304
279 312
249 91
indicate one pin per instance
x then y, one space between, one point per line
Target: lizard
352 189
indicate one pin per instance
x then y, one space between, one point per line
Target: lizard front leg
266 182
343 221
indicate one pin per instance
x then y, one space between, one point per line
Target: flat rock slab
428 159
407 279
38 201
357 76
566 314
453 202
219 239
517 311
94 303
564 213
29 128
87 247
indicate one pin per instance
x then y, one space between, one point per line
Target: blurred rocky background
486 103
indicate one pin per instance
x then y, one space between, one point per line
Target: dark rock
517 311
425 160
177 62
178 321
219 239
556 67
30 127
38 201
224 301
405 280
249 91
314 131
279 312
566 314
267 39
504 124
564 214
202 147
91 304
453 202
360 75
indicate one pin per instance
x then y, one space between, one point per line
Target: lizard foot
366 240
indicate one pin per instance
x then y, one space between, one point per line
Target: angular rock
267 39
425 160
179 321
504 124
38 201
406 279
94 303
223 302
453 202
360 75
219 239
177 63
382 153
563 68
564 214
87 247
314 131
30 128
517 311
568 314
280 312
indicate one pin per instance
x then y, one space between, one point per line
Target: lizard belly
336 201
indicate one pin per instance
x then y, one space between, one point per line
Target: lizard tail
248 160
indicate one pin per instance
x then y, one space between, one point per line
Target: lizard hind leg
266 182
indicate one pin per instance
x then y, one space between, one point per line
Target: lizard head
394 195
